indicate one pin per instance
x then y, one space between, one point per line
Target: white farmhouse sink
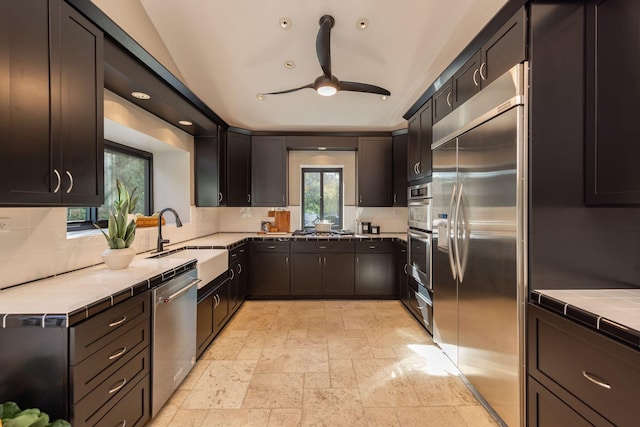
211 262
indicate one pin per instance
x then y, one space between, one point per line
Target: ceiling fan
328 84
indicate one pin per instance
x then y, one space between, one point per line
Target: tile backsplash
34 242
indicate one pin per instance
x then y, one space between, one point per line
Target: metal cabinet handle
475 74
449 99
405 269
70 181
241 251
123 423
117 354
118 322
271 247
249 198
234 255
286 260
395 198
239 268
594 379
483 76
176 294
220 197
325 261
55 171
361 198
119 386
372 247
233 274
283 198
419 167
322 247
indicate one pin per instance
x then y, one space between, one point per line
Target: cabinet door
467 80
26 157
268 171
207 160
81 115
306 274
401 271
413 148
204 323
374 172
505 49
400 170
612 125
426 138
221 308
374 275
338 275
242 272
442 101
269 275
238 169
234 291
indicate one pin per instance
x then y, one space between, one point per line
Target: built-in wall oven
419 240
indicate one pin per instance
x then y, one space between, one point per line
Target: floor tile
293 360
282 390
285 418
476 416
342 374
237 418
349 348
381 417
317 380
332 407
189 418
440 390
438 416
382 383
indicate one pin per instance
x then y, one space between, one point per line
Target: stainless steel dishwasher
174 335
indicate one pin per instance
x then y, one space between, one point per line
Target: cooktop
311 232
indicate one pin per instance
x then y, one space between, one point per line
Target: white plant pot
118 259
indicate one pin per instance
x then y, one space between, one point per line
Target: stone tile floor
323 363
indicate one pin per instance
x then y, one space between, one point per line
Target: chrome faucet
162 241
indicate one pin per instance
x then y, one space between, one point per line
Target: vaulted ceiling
228 52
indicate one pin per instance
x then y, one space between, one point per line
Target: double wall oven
419 239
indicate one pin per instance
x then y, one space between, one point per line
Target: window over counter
322 196
131 166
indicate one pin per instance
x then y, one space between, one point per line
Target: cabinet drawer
109 393
92 371
96 332
270 246
374 246
238 252
133 410
322 247
578 359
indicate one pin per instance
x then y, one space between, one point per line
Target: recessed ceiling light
383 97
362 24
289 64
260 96
322 148
286 23
140 95
185 123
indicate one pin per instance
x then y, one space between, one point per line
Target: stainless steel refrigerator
479 198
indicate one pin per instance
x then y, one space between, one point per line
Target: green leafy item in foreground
120 234
12 417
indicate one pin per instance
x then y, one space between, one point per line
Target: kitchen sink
211 262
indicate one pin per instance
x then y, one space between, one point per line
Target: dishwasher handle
167 300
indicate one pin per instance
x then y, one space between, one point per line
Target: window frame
92 212
321 171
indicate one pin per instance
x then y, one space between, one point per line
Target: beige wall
345 159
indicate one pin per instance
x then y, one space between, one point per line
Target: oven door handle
451 233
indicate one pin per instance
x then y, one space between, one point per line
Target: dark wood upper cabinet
400 143
443 101
268 171
467 80
506 48
238 167
51 106
207 171
374 171
612 125
419 144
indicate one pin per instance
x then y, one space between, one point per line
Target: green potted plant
120 233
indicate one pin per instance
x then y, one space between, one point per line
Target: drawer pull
119 386
234 255
123 423
118 322
372 247
271 247
118 353
323 247
594 379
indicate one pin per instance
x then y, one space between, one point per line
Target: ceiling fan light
327 90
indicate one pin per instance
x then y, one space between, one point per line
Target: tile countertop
614 312
70 297
77 293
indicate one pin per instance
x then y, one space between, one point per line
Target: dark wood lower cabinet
214 310
338 275
375 274
269 269
306 274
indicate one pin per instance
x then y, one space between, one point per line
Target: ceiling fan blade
363 87
310 85
323 44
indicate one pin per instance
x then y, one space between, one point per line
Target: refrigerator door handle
451 233
456 230
464 251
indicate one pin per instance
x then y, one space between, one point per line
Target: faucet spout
162 241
